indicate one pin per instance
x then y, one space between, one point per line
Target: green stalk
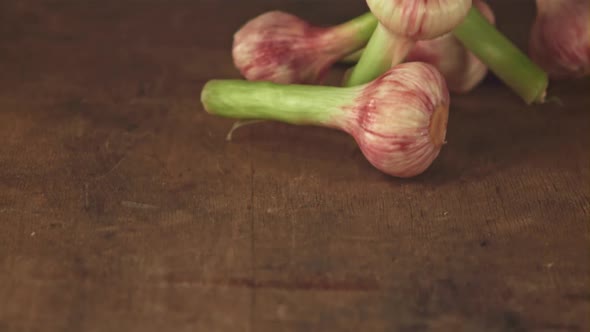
355 32
294 104
353 57
361 27
375 60
502 57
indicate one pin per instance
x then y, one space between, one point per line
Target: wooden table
122 207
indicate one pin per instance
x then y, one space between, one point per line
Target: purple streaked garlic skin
419 20
560 38
400 119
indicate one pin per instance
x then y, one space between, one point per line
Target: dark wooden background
122 207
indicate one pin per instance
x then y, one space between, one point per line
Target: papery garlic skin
400 119
282 48
461 69
424 19
560 38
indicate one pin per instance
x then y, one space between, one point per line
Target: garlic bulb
560 38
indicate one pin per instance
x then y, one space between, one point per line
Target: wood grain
122 207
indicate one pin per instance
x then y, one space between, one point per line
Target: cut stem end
502 57
438 125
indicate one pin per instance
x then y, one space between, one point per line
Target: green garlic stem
294 104
375 60
502 57
361 27
353 57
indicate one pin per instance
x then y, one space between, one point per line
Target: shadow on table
485 136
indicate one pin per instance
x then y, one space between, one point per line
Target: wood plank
123 208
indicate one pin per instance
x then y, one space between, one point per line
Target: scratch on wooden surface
218 167
359 238
553 275
294 284
138 205
293 240
308 284
502 203
109 228
134 140
582 296
113 168
86 199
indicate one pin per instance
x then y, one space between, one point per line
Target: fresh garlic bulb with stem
282 48
399 120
